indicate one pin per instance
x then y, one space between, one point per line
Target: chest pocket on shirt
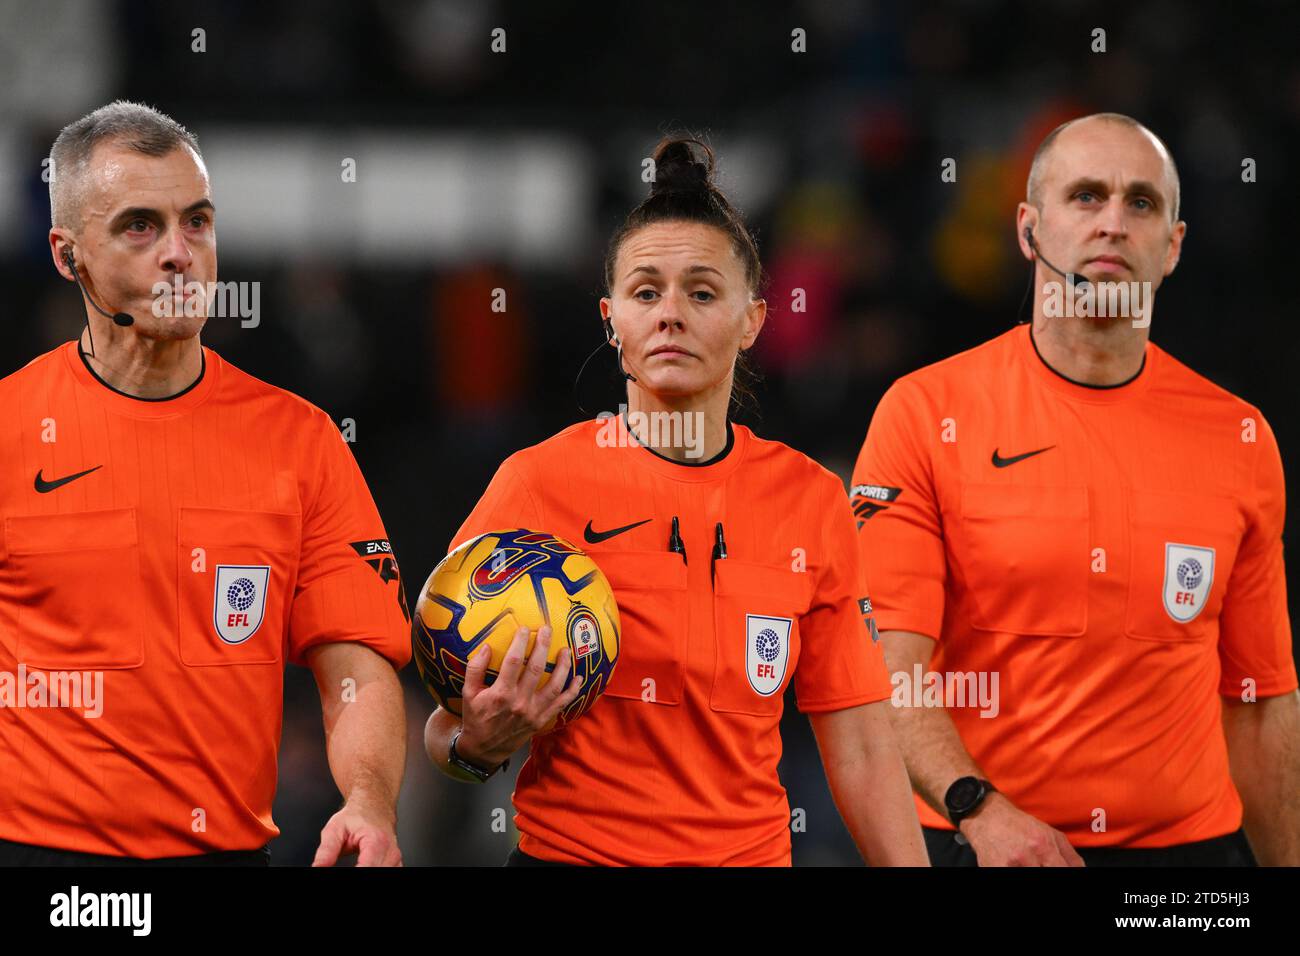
77 583
1183 549
650 588
1025 555
236 572
756 618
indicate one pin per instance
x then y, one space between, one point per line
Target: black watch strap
964 796
478 773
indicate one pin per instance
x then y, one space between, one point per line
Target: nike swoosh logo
999 462
596 537
44 486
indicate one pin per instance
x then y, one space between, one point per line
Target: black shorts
24 854
1231 849
518 857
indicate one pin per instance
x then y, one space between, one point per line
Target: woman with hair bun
735 567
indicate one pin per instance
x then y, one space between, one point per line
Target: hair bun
678 169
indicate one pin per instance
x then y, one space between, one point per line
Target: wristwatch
478 773
965 796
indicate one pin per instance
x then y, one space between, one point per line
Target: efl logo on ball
584 633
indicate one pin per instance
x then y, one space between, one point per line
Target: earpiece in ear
67 258
612 338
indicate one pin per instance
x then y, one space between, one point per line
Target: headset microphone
119 318
1075 281
612 338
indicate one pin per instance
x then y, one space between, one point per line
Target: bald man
1073 544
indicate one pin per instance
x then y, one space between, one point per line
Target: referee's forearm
868 782
365 724
932 749
933 752
1264 753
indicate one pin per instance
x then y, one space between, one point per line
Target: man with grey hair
1076 521
173 531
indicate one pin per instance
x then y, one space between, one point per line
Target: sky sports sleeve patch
867 500
378 553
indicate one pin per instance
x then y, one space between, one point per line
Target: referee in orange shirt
736 576
1073 542
172 530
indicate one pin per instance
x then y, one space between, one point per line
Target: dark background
834 155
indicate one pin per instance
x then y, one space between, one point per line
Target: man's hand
365 740
1003 835
366 830
998 832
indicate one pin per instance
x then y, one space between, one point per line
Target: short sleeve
349 588
507 503
900 534
1254 626
841 663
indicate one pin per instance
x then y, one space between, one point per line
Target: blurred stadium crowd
834 155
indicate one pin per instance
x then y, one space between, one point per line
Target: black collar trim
1128 381
203 367
726 449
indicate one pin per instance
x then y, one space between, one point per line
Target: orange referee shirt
1113 556
176 553
677 763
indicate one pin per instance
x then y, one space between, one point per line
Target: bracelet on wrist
470 771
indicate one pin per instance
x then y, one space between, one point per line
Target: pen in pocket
719 548
675 543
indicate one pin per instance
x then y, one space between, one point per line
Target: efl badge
1189 574
238 600
767 650
584 633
